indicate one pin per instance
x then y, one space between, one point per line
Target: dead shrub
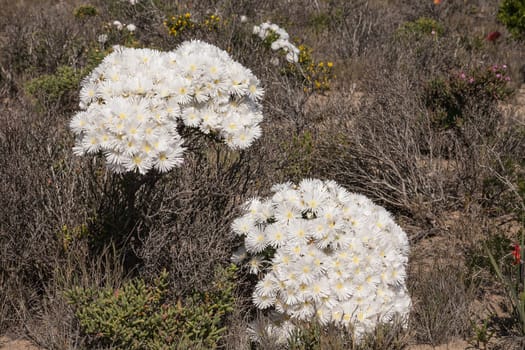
442 295
390 148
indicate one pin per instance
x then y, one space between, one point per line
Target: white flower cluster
334 256
119 25
133 102
102 38
282 42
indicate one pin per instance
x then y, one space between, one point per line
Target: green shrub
313 75
448 98
319 21
141 316
63 85
85 11
512 14
419 28
176 25
68 235
299 155
51 87
316 75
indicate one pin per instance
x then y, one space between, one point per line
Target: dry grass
65 221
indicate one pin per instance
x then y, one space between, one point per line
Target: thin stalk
515 298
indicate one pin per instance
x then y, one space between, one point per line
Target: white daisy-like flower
191 116
303 311
134 102
324 315
118 25
318 290
243 225
170 158
267 286
276 234
256 240
330 256
282 41
263 301
137 162
255 264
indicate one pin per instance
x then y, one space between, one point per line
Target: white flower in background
274 61
118 25
133 102
133 2
244 19
280 40
337 257
131 27
102 38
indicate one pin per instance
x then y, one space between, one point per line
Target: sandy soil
455 345
10 344
16 344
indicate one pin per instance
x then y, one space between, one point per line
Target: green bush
63 85
316 75
141 316
419 28
85 11
68 235
319 21
299 155
184 23
447 98
512 14
51 87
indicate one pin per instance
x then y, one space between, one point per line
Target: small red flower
493 36
517 254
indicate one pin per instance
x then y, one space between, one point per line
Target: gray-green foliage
62 85
51 87
142 316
